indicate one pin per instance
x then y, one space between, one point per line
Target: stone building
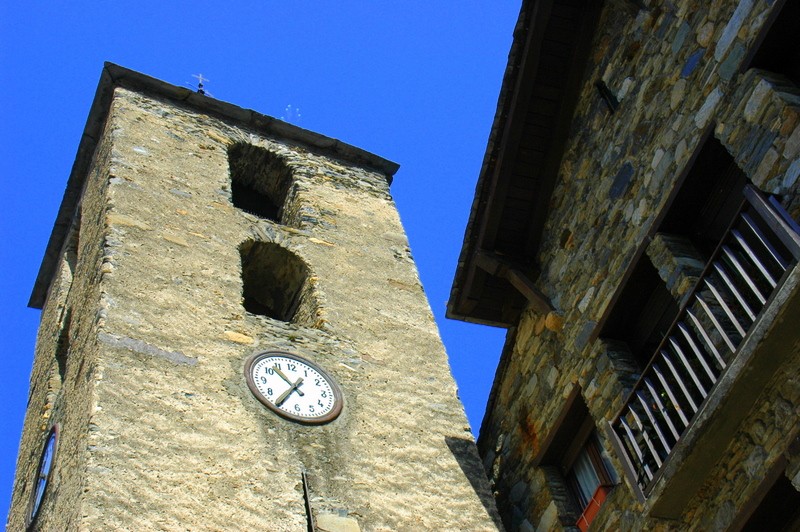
234 337
634 228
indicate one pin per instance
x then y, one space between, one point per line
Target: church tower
234 337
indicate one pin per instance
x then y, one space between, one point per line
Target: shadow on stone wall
466 455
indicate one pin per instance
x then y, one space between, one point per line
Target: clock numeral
269 391
324 394
316 382
263 380
270 371
320 403
305 373
297 406
311 409
292 367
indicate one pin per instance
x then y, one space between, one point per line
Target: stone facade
144 336
679 72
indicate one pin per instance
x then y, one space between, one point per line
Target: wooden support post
498 266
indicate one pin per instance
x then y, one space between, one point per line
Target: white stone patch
790 177
677 94
732 28
628 212
549 519
584 303
627 83
792 147
709 106
552 377
755 102
680 150
139 149
638 214
765 166
591 390
657 158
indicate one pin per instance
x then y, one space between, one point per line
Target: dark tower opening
259 180
274 281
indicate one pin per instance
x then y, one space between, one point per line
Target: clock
43 472
293 387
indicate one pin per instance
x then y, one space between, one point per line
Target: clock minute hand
284 377
280 400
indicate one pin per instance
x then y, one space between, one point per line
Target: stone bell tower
234 337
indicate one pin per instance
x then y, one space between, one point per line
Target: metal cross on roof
200 80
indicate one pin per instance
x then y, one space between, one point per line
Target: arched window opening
259 180
275 283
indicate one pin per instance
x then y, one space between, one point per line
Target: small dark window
589 480
274 281
575 451
779 51
779 509
701 212
708 200
643 313
260 180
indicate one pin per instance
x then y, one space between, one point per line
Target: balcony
693 376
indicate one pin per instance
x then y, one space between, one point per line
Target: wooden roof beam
498 266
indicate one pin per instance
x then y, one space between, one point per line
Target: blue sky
415 82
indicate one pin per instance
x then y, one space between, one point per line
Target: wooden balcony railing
736 285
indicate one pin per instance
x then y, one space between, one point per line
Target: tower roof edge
114 76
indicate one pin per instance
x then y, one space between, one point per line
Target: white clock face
43 474
293 387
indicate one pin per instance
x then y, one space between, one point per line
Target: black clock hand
285 395
284 377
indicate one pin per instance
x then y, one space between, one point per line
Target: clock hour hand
280 400
284 377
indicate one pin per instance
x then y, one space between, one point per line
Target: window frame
572 432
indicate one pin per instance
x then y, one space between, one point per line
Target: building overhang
114 76
535 108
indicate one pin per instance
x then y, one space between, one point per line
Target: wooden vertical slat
670 394
728 252
661 408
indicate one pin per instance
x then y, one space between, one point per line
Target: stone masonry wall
765 436
674 66
172 438
63 392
